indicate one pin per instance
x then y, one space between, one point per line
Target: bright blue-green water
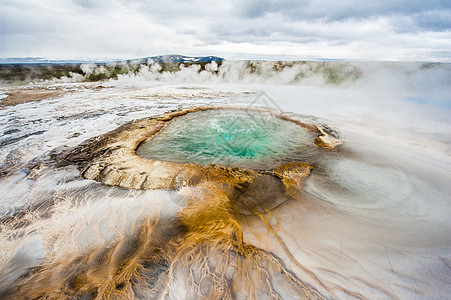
241 138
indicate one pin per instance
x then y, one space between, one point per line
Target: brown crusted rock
326 140
293 172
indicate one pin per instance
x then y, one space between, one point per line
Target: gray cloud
435 20
338 10
357 29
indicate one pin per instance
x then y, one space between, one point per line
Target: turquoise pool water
240 138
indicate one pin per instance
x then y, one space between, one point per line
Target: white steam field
372 224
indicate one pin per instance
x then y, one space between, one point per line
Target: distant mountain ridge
172 58
175 58
40 60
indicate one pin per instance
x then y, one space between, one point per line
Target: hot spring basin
228 146
238 138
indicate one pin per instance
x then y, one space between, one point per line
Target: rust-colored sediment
197 254
20 95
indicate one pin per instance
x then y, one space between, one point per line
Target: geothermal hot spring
232 184
239 138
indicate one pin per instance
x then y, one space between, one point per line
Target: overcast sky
235 29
